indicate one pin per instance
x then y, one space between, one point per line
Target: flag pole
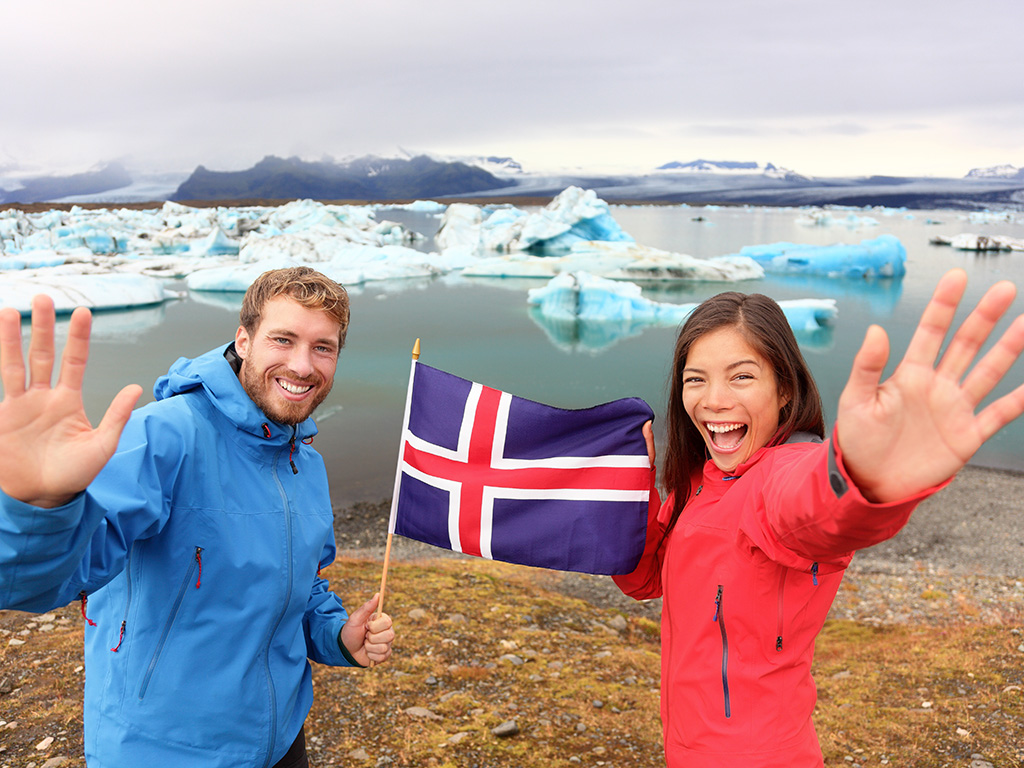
394 497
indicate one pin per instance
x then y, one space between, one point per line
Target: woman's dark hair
764 326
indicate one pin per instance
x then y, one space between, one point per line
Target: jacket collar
216 374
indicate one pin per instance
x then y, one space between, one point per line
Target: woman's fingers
866 371
973 333
936 319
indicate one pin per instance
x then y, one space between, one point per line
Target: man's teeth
723 428
295 390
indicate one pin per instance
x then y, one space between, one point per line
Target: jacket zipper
271 736
720 618
128 598
781 606
175 607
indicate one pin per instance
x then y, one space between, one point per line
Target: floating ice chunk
236 277
819 218
217 243
419 206
351 264
621 261
460 227
69 290
574 306
883 256
971 242
991 217
32 260
574 216
590 297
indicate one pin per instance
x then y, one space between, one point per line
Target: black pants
296 756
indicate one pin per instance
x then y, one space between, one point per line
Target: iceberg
70 290
575 215
882 256
819 218
346 263
579 309
620 261
971 242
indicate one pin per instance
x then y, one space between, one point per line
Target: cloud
226 83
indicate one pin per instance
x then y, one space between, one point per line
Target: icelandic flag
489 474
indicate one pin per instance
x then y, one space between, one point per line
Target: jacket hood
214 373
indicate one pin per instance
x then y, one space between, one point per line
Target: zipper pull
120 639
778 644
291 451
814 574
199 560
84 600
718 603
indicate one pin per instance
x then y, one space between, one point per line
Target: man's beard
258 385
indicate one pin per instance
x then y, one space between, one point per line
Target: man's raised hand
48 449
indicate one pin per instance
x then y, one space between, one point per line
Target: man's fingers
361 615
76 352
12 364
41 351
118 412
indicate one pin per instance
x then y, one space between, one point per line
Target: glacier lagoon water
484 330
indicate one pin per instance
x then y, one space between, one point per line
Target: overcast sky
823 87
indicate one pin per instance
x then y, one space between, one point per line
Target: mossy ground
482 643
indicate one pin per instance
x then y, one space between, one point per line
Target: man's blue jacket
199 548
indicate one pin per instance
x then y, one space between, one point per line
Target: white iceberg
882 256
620 261
970 242
818 218
69 290
575 215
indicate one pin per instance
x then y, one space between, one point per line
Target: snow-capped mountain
730 167
1005 171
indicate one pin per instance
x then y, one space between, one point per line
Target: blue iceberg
577 309
882 256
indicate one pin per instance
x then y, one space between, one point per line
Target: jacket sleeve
810 510
644 582
324 617
48 557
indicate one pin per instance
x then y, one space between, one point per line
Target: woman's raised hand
922 425
48 449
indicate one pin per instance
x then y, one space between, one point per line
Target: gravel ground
961 557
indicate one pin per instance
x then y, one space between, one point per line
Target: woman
763 515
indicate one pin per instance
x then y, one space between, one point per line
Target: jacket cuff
348 656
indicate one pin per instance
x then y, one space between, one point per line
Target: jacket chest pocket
192 579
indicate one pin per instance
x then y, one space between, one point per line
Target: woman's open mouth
726 437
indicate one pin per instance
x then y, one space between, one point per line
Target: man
193 531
